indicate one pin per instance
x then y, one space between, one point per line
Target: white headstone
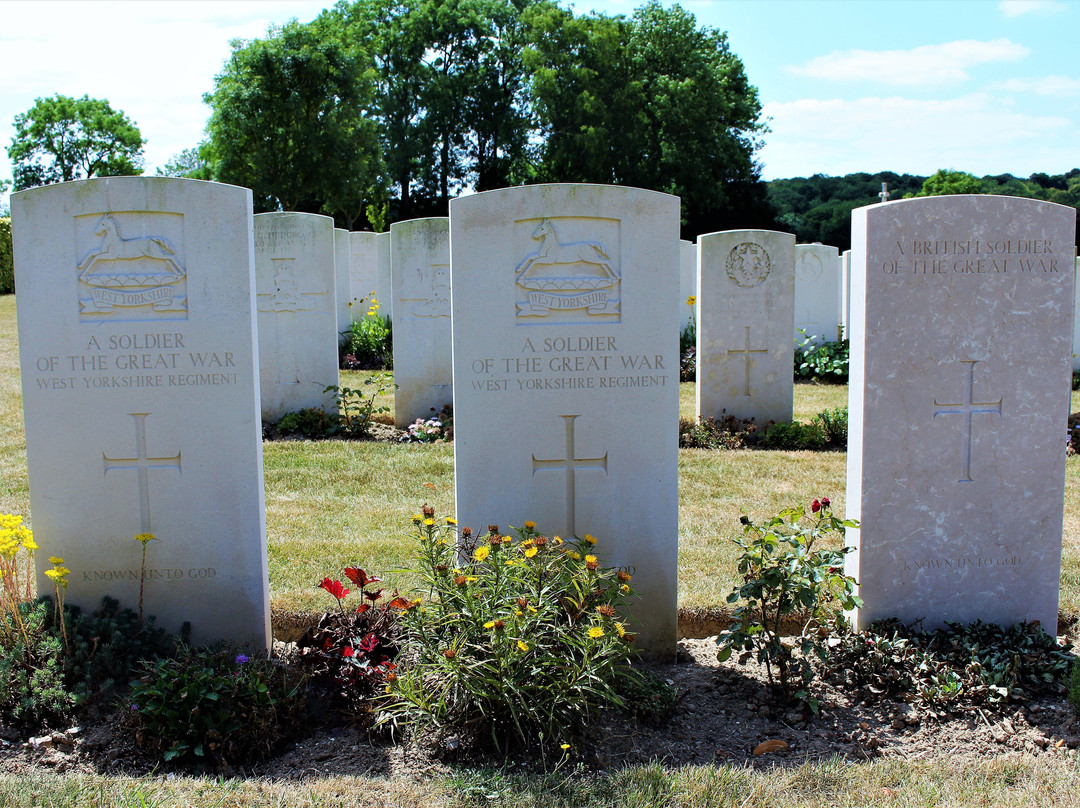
140 391
687 282
817 292
845 295
363 273
295 295
745 353
1076 317
566 388
384 285
343 279
958 400
420 266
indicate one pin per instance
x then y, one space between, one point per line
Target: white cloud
976 133
1015 8
1056 86
925 65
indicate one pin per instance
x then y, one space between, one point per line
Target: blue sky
847 85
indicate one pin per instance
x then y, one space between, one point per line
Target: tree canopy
410 102
61 139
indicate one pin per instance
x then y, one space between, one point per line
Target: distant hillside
818 208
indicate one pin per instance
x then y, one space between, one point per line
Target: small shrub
688 350
727 433
784 573
353 419
826 362
368 344
794 437
437 428
1074 686
521 642
957 669
217 706
7 261
33 694
834 426
349 654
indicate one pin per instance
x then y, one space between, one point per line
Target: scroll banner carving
566 276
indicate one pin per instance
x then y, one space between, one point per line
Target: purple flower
135 708
241 659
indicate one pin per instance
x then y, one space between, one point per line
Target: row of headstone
142 318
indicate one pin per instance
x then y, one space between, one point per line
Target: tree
945 182
291 120
193 164
651 101
62 139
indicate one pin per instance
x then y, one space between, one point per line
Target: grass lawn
335 503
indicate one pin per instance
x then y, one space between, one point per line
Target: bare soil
724 715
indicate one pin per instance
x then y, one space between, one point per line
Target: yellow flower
145 537
564 746
690 301
591 539
590 559
481 552
625 589
596 632
524 646
622 631
489 624
54 560
417 518
574 555
429 522
531 552
530 525
519 613
28 542
451 521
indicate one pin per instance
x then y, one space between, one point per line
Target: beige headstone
566 382
140 392
746 298
959 396
817 293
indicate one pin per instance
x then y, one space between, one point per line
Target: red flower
815 506
825 502
359 577
348 651
334 588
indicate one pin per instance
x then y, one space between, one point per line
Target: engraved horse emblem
566 275
131 272
115 247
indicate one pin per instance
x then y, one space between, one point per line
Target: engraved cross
747 350
968 408
571 463
142 463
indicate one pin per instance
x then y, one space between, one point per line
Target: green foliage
945 182
708 433
352 420
827 361
961 668
369 342
7 259
646 696
786 573
520 643
688 352
192 164
217 706
106 646
290 121
349 654
651 101
834 425
1073 690
61 139
32 688
793 437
